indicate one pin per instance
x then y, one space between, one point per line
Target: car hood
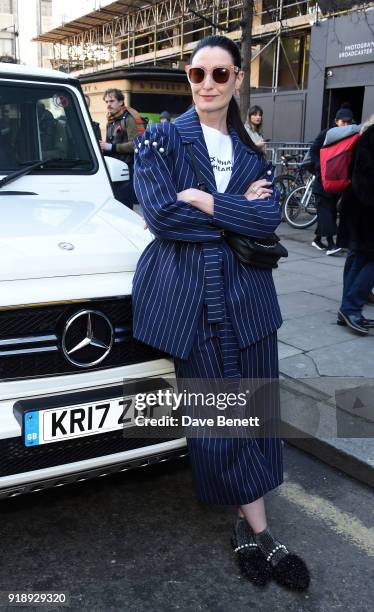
51 238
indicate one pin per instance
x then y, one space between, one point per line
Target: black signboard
350 39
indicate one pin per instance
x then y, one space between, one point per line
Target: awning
93 20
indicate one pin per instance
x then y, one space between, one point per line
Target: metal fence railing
275 150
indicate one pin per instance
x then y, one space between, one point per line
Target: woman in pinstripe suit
193 298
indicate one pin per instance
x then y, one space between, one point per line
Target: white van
68 251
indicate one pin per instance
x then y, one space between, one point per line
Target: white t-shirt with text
220 151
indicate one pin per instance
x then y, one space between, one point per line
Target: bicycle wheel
298 214
285 183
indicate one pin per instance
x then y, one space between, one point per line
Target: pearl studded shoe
288 569
252 562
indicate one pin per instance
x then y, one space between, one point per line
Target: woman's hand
258 190
197 198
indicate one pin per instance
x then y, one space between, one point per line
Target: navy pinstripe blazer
168 288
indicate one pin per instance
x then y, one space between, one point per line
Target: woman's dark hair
254 110
233 114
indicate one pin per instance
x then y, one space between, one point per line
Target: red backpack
138 120
336 161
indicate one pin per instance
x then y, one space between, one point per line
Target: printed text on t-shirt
220 164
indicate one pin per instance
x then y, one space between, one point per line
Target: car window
40 122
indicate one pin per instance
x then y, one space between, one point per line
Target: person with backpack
124 124
356 232
327 201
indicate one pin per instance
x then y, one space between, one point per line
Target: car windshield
40 123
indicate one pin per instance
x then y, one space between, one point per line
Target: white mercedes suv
69 365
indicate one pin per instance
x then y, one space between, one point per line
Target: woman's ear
238 82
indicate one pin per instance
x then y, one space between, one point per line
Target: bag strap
191 155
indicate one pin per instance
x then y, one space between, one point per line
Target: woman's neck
216 119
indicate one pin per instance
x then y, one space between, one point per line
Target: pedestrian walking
356 232
326 202
123 126
193 298
253 125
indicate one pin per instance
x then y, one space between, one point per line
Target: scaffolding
164 33
130 33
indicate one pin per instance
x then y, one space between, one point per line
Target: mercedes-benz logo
87 338
66 246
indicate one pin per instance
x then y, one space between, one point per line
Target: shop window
289 64
293 63
267 56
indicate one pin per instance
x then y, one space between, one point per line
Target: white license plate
56 424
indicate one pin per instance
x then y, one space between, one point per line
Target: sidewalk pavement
327 371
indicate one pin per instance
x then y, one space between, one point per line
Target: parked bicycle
300 209
295 175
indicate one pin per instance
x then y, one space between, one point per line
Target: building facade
342 69
292 50
20 22
8 31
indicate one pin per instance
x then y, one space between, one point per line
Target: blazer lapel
189 128
244 164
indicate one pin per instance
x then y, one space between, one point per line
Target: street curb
309 419
330 454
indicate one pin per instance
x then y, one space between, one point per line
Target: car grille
16 458
31 339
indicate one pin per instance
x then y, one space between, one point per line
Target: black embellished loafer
290 571
287 569
355 322
252 562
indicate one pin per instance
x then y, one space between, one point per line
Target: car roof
21 71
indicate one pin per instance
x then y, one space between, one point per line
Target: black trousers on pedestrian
124 191
358 281
326 216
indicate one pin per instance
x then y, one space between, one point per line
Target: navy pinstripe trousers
233 471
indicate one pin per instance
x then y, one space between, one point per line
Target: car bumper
24 469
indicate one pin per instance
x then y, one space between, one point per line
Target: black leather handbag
257 252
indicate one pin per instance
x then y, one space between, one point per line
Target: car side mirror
118 170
